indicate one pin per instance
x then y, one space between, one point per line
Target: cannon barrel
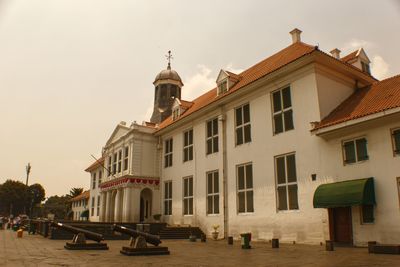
88 234
152 239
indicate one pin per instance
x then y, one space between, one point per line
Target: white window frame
168 152
189 147
98 206
245 189
92 207
100 178
188 197
243 125
395 152
110 171
126 158
94 180
213 138
286 184
168 198
114 170
119 161
354 141
282 110
223 86
214 176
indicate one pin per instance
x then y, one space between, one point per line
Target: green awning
344 194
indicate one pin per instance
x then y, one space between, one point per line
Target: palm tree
75 192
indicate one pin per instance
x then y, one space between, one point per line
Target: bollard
275 243
230 240
371 245
329 245
20 233
246 238
203 238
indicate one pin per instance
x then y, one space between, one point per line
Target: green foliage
75 192
37 193
14 196
59 206
85 214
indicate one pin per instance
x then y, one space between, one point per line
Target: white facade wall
78 207
95 193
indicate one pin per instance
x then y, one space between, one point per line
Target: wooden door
340 225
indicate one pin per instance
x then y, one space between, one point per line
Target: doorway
340 225
145 204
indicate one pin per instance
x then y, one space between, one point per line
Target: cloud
232 69
379 67
199 83
356 44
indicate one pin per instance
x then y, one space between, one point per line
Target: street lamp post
28 170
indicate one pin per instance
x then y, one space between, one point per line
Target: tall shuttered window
213 192
188 196
119 161
188 145
245 202
110 172
168 198
92 207
98 206
355 150
94 181
242 124
114 171
212 136
168 153
282 110
286 182
126 157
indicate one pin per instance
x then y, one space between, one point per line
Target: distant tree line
17 198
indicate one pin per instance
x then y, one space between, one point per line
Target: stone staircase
179 232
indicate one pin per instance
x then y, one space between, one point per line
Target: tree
59 206
13 197
36 195
75 192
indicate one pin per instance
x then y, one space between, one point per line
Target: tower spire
169 57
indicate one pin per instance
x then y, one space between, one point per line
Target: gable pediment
118 132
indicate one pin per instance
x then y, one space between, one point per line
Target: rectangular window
396 141
126 156
188 145
242 124
92 207
94 181
109 166
212 136
222 87
367 213
286 182
282 110
100 177
355 150
213 192
119 161
168 198
114 171
98 206
245 202
168 153
188 196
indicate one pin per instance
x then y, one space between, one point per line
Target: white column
127 205
118 206
135 205
102 206
107 206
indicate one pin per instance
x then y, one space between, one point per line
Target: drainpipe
222 119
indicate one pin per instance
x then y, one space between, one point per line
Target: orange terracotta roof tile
84 195
350 56
380 96
95 164
267 66
186 104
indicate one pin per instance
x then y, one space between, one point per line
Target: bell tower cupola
168 86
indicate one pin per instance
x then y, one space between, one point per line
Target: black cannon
138 242
80 236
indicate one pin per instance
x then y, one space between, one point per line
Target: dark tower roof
168 74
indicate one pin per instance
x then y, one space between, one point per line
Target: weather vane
169 57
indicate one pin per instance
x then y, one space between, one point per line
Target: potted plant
215 233
157 217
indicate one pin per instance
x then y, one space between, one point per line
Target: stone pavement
35 250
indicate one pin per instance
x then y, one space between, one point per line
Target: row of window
282 121
94 175
355 150
93 205
79 203
286 188
118 161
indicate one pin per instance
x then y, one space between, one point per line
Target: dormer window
365 67
222 87
175 113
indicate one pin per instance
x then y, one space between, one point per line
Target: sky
71 70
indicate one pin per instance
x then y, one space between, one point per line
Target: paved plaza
35 250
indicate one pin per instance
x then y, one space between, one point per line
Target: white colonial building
303 146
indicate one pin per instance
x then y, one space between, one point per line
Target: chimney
335 53
295 35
